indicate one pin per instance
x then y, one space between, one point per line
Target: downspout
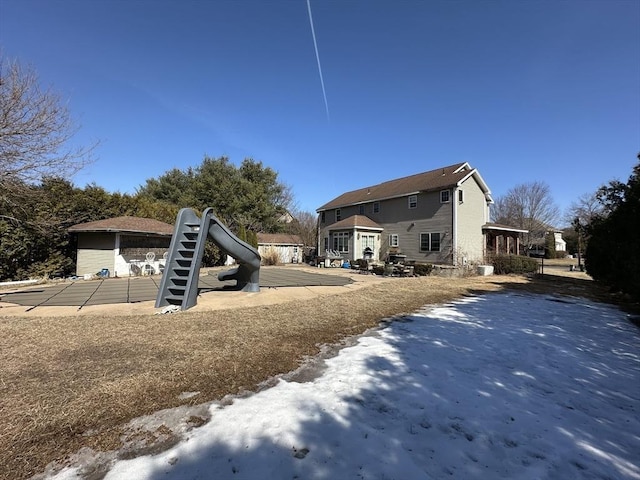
454 229
318 235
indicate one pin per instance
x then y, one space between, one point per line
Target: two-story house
439 217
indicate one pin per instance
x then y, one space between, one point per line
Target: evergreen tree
613 253
242 233
249 195
549 245
34 240
252 238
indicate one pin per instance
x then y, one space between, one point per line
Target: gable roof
444 177
279 239
356 221
125 224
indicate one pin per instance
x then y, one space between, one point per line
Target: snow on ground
501 386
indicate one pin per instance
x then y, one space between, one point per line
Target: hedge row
505 264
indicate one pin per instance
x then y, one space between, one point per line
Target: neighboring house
123 245
538 243
288 247
286 217
561 245
439 217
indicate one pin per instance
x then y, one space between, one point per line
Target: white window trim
364 239
460 196
345 243
413 204
392 237
442 192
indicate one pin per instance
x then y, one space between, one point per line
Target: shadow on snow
497 386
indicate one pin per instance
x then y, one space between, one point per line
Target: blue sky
522 90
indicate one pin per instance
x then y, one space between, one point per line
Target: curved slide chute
179 284
247 273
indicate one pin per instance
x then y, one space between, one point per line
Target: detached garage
125 246
289 248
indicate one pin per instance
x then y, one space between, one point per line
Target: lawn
75 381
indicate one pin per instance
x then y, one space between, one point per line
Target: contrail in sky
315 44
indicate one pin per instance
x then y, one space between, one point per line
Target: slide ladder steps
179 284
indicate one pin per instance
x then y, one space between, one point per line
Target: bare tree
580 215
305 224
35 129
529 206
585 209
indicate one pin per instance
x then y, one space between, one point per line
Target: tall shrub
613 253
549 245
516 264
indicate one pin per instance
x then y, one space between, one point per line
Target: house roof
279 239
356 221
125 224
444 177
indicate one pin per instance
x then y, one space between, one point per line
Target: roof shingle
433 180
356 221
279 239
125 224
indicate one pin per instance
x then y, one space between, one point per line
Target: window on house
393 240
376 207
460 196
430 242
143 243
413 201
435 242
444 196
341 242
361 209
338 215
368 241
326 243
322 217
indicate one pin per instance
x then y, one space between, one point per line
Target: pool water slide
179 284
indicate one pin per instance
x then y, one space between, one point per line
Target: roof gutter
113 230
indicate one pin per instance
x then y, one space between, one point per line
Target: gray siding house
439 217
125 246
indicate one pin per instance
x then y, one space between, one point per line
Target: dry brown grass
70 382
